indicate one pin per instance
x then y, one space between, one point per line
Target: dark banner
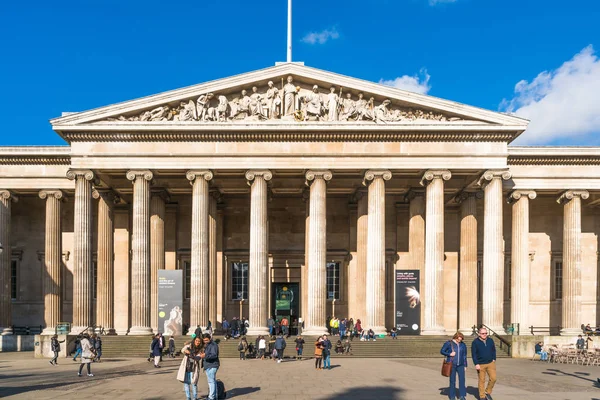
408 302
170 299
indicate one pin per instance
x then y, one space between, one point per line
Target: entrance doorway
285 303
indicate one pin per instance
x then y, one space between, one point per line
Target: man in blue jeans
210 362
326 352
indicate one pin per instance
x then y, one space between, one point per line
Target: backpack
221 393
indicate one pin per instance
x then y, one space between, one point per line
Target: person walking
226 329
156 350
87 355
280 346
318 353
55 346
299 347
271 325
342 328
243 347
285 326
456 353
210 358
77 347
172 346
98 348
262 344
326 352
189 369
483 352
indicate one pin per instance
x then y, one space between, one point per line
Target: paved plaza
22 377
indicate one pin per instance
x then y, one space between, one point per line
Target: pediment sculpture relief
291 102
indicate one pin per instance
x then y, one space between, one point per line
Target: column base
571 332
49 330
140 330
379 330
314 331
121 331
435 331
261 330
6 331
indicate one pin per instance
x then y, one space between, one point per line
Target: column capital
432 174
133 174
251 174
517 194
107 194
413 194
313 174
491 174
192 174
162 193
568 195
86 174
8 195
371 174
57 194
464 195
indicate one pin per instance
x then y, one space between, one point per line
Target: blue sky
537 59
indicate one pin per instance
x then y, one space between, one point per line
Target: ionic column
493 249
571 299
304 269
212 257
105 279
433 323
200 285
158 198
362 229
519 301
317 253
468 261
82 252
258 272
140 246
52 260
375 283
6 199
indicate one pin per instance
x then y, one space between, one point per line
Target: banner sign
408 302
170 302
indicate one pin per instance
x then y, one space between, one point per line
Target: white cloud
321 37
435 2
418 83
563 103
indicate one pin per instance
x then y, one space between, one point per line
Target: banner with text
408 302
170 302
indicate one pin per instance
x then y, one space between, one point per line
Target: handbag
447 366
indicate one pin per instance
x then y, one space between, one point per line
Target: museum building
297 178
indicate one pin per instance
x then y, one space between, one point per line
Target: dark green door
285 301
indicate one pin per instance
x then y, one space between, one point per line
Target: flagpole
289 32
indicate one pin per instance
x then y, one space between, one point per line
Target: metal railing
552 330
502 340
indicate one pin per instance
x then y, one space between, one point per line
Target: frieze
291 101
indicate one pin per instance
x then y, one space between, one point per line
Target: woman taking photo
456 353
189 369
318 353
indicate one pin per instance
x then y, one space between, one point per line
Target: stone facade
501 234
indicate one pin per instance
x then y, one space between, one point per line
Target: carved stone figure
222 108
256 105
289 97
241 107
348 108
203 107
273 101
332 105
313 104
187 111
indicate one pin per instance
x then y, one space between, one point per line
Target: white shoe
78 374
278 361
90 374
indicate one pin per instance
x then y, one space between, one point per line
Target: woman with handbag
455 363
189 369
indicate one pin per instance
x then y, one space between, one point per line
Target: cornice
357 133
553 160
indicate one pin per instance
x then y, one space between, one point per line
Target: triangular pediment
286 94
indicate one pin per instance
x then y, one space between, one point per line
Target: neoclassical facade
298 177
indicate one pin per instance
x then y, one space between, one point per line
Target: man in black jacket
210 363
280 346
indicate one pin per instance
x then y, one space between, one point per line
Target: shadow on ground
241 391
369 393
471 390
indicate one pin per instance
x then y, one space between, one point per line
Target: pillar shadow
241 391
369 393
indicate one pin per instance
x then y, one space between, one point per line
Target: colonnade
426 213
